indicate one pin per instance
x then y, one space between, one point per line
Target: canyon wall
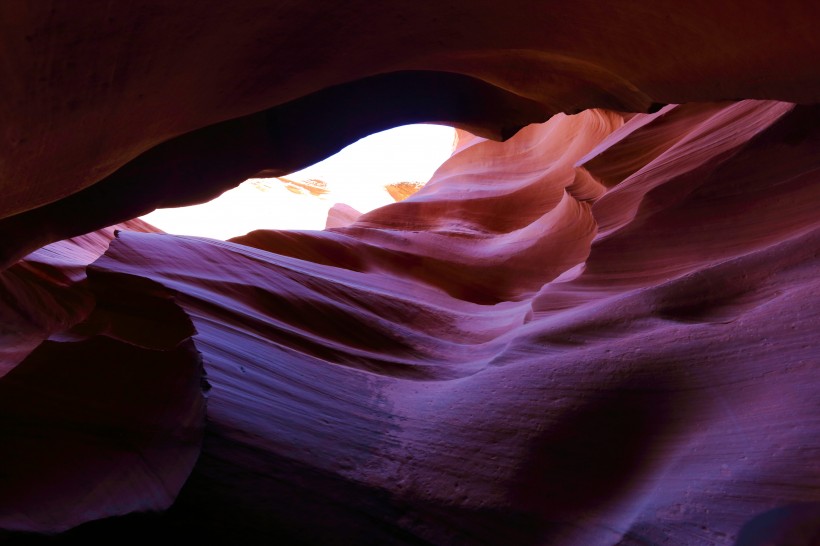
600 331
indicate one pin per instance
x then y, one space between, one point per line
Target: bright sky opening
356 176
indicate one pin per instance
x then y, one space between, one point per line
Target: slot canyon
596 324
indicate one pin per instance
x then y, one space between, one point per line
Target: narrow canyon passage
600 330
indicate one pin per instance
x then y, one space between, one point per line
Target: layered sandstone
541 346
601 331
111 111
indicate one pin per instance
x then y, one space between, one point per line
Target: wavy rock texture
47 291
101 406
112 110
599 332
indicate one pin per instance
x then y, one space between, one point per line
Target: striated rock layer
599 332
47 292
112 110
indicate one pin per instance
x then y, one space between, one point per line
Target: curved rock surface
101 406
47 291
599 332
110 111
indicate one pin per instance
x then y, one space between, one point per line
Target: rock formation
402 190
601 331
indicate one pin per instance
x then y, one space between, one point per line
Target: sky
355 176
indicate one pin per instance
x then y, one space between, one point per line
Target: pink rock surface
599 332
495 223
47 291
113 110
341 215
